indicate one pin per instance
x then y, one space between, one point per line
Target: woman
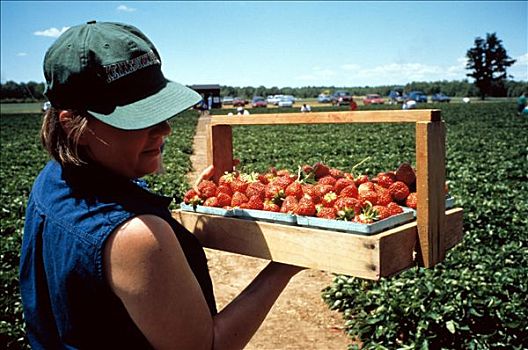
103 264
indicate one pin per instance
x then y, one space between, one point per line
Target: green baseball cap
113 72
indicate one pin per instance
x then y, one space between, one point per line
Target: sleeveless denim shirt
67 302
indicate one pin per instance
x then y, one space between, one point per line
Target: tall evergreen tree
488 61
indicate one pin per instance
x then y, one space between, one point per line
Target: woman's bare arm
146 268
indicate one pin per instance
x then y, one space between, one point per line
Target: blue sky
278 43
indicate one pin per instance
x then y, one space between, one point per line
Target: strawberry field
475 299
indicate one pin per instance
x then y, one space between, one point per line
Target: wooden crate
422 242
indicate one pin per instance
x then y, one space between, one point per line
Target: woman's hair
61 145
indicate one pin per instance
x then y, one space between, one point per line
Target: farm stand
433 232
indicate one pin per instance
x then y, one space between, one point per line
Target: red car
373 99
239 102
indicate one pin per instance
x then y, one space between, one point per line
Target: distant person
242 111
353 104
103 263
521 103
410 104
209 102
306 108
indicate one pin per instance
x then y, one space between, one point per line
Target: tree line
34 92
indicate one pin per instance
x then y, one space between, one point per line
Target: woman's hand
206 174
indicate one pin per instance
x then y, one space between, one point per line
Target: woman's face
131 153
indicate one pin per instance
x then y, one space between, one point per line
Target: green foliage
477 298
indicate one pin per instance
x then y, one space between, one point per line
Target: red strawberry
366 186
385 180
270 206
336 173
283 181
192 197
321 190
406 174
320 170
274 192
238 198
348 176
329 199
326 213
382 212
412 200
289 205
342 183
349 191
343 203
368 196
283 172
255 202
207 188
361 179
294 189
239 185
305 207
263 179
367 215
212 202
399 191
307 169
256 189
226 179
327 180
224 189
394 208
384 196
224 200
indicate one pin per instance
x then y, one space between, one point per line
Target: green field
476 299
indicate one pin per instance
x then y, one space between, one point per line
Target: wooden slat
430 181
454 226
220 149
370 257
391 116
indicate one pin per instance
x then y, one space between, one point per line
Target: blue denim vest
66 299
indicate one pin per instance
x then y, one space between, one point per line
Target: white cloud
51 32
519 69
351 67
317 74
21 54
125 8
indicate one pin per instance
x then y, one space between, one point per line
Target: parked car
373 99
273 99
440 97
341 98
417 96
258 101
395 96
285 101
227 100
324 98
239 102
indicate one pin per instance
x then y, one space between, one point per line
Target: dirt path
299 319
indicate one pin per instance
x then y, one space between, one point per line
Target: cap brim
174 98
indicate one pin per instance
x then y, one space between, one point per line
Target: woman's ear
66 120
